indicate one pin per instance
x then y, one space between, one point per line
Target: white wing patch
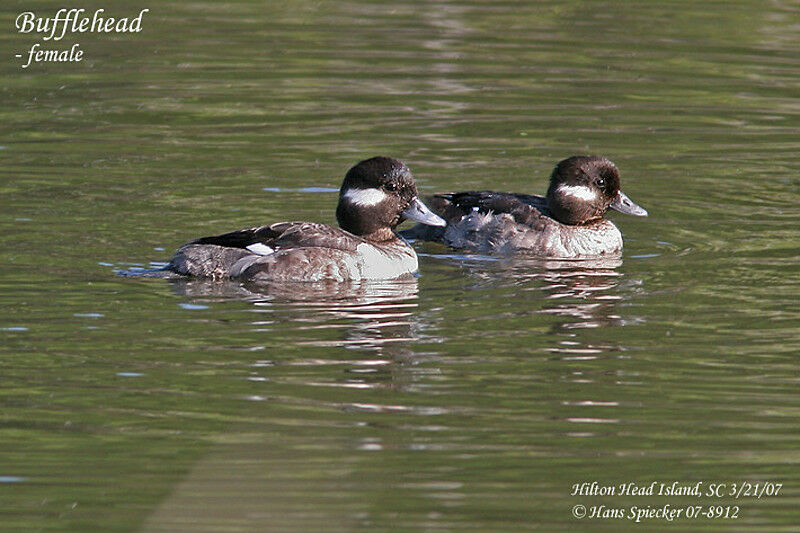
364 197
581 192
260 249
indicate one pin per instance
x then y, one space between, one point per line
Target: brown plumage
567 223
376 195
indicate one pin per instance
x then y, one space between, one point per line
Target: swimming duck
376 195
568 223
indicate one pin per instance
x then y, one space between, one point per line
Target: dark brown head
378 194
583 187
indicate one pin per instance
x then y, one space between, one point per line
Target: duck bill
419 212
623 204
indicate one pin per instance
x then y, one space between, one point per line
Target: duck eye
600 182
390 186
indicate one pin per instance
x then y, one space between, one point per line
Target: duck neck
380 235
366 222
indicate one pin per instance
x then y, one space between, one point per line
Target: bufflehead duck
568 223
376 195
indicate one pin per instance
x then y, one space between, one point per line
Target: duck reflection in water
371 314
377 322
584 292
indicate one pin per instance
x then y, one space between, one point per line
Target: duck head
583 188
378 194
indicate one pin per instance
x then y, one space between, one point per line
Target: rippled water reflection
470 398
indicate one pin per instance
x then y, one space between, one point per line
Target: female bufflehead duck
566 224
376 195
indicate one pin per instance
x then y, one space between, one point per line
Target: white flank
260 249
364 197
376 264
578 191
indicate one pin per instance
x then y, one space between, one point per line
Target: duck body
508 223
376 195
568 223
294 251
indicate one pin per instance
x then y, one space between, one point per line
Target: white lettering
26 26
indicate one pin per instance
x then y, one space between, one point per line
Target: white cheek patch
578 191
260 249
364 197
